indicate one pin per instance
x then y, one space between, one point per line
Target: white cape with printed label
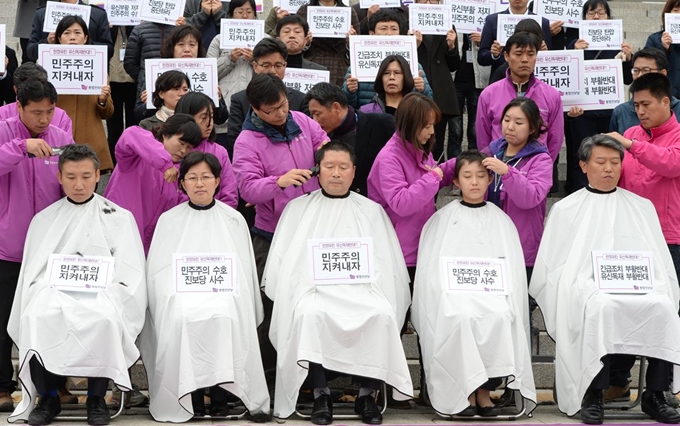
78 334
467 338
586 324
197 340
349 328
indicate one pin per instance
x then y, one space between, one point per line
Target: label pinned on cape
341 260
87 274
475 274
623 271
205 272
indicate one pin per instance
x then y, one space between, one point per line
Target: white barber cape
349 328
586 324
198 340
467 338
77 334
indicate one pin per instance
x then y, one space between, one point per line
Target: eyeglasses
267 66
389 73
427 1
276 109
600 14
195 179
643 71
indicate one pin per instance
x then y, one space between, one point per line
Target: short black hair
265 89
76 152
180 124
653 53
523 39
36 91
467 157
29 71
292 20
335 145
196 157
66 22
233 4
172 79
178 34
327 94
383 15
408 84
267 46
529 26
194 102
658 85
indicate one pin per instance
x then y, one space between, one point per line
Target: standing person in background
206 16
663 41
293 30
123 90
7 94
23 19
393 82
364 16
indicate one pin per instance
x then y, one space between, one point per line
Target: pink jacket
262 155
60 118
651 169
228 193
400 181
496 96
137 182
27 185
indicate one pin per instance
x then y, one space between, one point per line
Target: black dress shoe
592 407
470 411
219 408
671 399
366 407
655 404
97 411
491 411
322 413
198 402
47 409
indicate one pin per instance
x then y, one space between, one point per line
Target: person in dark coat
365 14
206 16
144 43
23 19
663 41
292 30
7 94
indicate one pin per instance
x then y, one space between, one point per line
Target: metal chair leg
84 418
625 407
512 417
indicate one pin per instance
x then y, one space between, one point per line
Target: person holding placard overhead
86 111
663 41
470 339
594 231
206 16
81 323
587 123
98 28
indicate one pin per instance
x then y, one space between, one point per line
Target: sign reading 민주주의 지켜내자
75 69
341 260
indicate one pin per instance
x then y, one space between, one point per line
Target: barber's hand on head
581 44
352 84
556 27
627 50
372 10
666 40
143 97
38 147
181 21
575 112
171 174
475 37
104 95
419 82
495 165
295 177
451 37
627 143
496 48
281 13
51 38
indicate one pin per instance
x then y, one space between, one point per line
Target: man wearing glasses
649 59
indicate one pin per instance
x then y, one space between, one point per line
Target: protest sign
341 260
55 11
290 5
432 19
3 44
602 86
202 73
161 11
123 12
480 275
205 272
305 79
561 69
468 16
623 271
365 4
329 22
672 26
366 53
75 69
567 11
507 23
87 274
602 34
240 33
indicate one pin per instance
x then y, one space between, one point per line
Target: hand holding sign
451 39
419 82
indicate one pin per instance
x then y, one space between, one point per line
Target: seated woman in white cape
590 324
81 295
470 303
340 289
204 305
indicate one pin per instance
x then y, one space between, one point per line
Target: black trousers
45 381
23 42
440 134
261 250
124 97
317 377
9 276
657 377
579 129
468 95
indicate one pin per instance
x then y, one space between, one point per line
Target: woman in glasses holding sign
214 314
86 111
583 124
394 81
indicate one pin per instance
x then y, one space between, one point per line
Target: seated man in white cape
204 305
340 289
81 295
473 328
590 316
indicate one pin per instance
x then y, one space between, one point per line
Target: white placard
304 79
507 23
480 275
205 272
602 34
202 74
567 11
341 260
672 26
602 86
365 4
623 271
432 19
161 11
290 5
88 274
468 16
366 53
329 22
561 69
123 12
240 33
3 43
75 69
55 12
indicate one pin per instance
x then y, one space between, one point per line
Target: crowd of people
253 247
